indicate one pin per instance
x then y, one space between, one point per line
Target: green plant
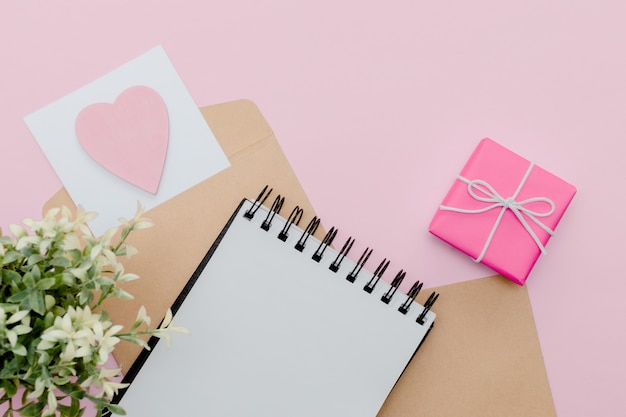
55 336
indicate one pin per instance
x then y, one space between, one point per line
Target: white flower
27 241
87 382
108 235
167 326
107 373
49 301
167 320
143 224
80 332
69 352
77 341
82 218
142 316
40 385
105 341
12 333
17 316
130 251
16 331
95 251
81 272
49 225
18 231
52 402
71 242
110 388
128 277
137 222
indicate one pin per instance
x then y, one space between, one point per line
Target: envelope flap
241 125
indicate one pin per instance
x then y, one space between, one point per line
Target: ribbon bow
517 207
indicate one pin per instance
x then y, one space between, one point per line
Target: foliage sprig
55 337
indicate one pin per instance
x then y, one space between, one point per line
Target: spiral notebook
282 324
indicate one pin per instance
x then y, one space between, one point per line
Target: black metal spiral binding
415 289
359 265
394 287
310 229
327 241
274 210
249 214
427 306
342 254
380 270
294 218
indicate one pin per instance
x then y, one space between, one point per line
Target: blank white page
275 333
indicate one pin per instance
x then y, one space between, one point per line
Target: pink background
377 106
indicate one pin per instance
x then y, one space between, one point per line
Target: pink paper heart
129 138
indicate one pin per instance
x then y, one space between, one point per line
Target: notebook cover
482 358
275 333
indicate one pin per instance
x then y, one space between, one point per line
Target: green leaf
37 303
116 409
120 293
72 410
134 339
28 280
19 349
64 410
36 272
10 370
34 259
48 320
24 395
85 297
75 408
26 251
11 256
77 394
75 254
18 297
60 261
10 387
32 409
105 281
68 279
46 283
10 276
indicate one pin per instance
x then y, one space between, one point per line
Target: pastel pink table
377 107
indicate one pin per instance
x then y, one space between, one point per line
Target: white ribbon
517 207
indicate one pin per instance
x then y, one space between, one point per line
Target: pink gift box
502 210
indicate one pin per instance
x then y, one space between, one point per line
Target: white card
193 153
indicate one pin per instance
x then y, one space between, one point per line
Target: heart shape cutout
129 138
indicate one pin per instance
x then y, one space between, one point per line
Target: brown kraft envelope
482 358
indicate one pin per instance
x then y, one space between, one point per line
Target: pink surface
474 220
377 105
128 137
